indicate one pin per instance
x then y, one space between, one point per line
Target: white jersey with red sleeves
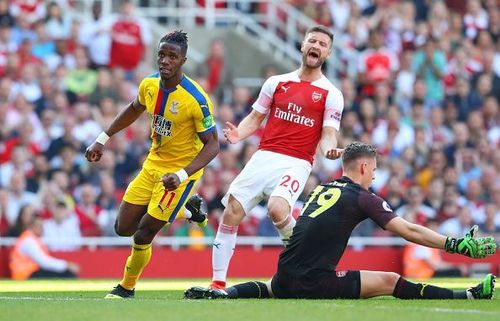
297 111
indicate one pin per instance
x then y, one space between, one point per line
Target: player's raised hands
477 248
231 133
171 181
334 153
94 152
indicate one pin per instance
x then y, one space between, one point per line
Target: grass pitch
162 300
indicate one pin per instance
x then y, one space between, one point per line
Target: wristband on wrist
102 138
182 174
451 245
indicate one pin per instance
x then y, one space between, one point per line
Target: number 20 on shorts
288 182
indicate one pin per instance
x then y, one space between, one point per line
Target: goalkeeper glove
472 247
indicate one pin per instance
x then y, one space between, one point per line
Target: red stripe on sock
228 229
218 285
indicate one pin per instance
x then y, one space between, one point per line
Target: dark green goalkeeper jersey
323 229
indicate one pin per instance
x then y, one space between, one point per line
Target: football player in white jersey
304 110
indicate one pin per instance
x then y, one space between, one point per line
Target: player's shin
285 228
248 290
405 289
222 251
138 259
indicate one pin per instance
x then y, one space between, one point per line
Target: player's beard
312 62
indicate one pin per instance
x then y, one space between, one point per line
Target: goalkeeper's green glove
472 247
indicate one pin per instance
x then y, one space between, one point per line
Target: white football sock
285 228
222 251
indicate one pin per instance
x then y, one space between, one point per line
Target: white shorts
269 174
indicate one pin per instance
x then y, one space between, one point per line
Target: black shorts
334 285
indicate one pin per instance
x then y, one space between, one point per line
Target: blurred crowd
420 79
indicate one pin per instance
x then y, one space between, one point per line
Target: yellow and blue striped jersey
177 116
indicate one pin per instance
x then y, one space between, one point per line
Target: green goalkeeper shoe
197 292
198 215
484 290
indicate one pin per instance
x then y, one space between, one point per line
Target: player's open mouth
313 54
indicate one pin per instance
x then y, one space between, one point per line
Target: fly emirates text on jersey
292 114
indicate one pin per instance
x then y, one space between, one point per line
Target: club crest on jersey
341 274
316 96
173 108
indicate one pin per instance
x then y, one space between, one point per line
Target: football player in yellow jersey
184 142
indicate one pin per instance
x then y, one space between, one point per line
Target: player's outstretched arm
247 127
124 118
468 245
328 143
416 233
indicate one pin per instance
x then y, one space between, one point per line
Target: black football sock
408 290
248 290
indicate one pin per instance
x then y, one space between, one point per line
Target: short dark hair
177 37
322 29
357 150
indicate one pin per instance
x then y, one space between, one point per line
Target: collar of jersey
297 78
347 179
168 91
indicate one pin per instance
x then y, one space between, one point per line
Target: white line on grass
38 298
426 309
440 310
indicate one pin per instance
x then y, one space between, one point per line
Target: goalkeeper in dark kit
307 266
